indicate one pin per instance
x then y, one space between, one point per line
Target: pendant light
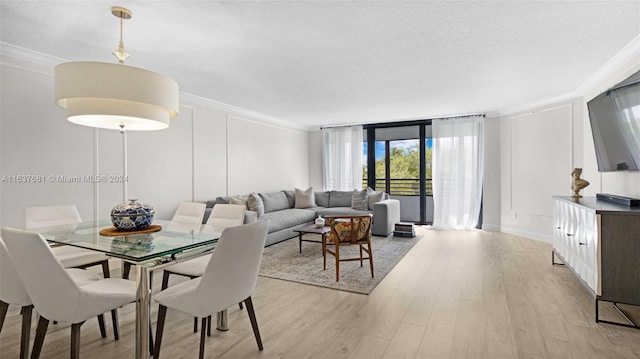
115 96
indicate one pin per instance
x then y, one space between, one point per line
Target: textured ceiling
319 63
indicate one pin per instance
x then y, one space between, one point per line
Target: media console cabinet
600 243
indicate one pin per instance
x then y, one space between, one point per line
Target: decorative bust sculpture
578 183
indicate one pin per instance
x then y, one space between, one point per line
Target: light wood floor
455 295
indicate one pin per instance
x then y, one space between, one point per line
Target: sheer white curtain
457 171
342 158
626 101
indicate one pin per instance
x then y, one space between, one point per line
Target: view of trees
404 163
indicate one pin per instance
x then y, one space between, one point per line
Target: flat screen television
615 123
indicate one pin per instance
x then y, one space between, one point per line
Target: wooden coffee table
311 228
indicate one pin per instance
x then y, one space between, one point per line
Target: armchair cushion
341 229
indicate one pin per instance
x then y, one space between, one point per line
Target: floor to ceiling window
399 155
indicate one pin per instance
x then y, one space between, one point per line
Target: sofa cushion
291 197
254 203
340 199
338 211
222 200
374 196
288 218
322 199
360 200
305 198
274 201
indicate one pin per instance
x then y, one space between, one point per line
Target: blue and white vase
132 216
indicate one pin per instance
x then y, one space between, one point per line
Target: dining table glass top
172 239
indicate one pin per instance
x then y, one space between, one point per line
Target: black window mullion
423 174
387 166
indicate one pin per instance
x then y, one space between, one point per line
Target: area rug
283 261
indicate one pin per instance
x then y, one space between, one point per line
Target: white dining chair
230 277
222 216
54 292
189 212
12 292
69 256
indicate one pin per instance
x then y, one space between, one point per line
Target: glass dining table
175 242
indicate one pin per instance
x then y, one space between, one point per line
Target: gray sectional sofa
279 209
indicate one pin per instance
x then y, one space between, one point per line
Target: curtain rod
399 122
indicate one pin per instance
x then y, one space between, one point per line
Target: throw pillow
360 200
322 199
305 198
238 200
374 196
254 203
291 197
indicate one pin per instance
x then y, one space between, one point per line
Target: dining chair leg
3 313
203 337
106 273
75 340
105 269
240 305
208 326
162 315
126 270
195 324
361 257
114 320
41 331
26 312
103 331
254 323
165 280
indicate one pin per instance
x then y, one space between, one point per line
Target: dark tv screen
615 123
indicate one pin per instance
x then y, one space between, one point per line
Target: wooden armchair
346 231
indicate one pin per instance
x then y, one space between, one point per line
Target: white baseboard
527 234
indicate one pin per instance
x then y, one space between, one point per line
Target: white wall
537 155
531 175
264 158
206 152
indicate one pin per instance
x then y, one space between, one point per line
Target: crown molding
530 107
24 54
616 69
620 66
46 63
236 111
